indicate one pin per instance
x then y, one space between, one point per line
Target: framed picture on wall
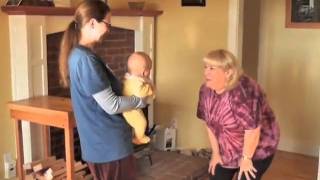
13 2
193 2
29 3
303 13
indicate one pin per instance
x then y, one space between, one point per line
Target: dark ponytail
70 39
87 10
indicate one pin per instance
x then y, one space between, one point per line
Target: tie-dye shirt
229 114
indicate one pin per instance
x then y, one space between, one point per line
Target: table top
51 103
47 110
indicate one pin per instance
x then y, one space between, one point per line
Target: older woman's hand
246 167
215 159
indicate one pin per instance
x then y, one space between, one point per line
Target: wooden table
47 111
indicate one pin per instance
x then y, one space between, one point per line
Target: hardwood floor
285 166
291 166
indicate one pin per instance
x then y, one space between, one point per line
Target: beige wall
184 36
7 140
289 71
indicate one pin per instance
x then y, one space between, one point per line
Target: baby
137 82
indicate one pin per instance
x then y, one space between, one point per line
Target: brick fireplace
114 50
30 60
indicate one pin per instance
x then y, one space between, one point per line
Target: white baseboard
300 148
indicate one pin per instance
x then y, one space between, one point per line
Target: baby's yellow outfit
140 87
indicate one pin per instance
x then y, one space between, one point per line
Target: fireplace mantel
28 28
65 11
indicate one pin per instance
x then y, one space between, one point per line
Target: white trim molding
235 30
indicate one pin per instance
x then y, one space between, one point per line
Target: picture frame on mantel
29 3
13 2
302 14
193 2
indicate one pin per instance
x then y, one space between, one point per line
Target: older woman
242 128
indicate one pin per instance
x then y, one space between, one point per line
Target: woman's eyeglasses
107 23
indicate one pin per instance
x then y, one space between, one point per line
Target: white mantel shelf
65 11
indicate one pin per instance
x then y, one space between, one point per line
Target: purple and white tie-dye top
229 114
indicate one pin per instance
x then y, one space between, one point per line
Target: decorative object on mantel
13 2
136 4
29 3
62 3
193 2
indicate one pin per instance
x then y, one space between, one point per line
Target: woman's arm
113 104
213 142
215 157
251 140
94 81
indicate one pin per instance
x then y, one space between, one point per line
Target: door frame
235 28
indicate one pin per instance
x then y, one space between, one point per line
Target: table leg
68 135
19 142
46 141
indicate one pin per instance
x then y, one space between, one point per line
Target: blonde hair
225 60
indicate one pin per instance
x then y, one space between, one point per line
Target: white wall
289 72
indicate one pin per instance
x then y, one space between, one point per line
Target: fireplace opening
114 50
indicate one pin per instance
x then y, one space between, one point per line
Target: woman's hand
148 99
215 159
246 167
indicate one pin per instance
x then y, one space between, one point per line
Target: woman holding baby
105 136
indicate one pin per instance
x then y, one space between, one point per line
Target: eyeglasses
106 23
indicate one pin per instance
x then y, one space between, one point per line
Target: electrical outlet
9 166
